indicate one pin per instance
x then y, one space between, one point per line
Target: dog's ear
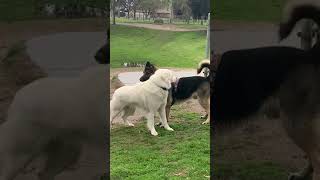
148 63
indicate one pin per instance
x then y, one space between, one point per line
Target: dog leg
205 103
150 124
61 155
128 111
204 116
13 164
163 118
305 174
115 110
168 108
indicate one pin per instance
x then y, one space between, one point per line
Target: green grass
163 48
182 154
249 171
248 10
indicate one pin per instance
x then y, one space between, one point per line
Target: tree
182 8
149 7
113 5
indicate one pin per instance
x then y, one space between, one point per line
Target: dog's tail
296 10
203 64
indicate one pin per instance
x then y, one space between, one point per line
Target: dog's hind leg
115 110
168 108
13 164
61 155
305 174
128 111
163 118
205 103
204 116
150 123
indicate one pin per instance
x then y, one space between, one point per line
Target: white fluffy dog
54 117
149 96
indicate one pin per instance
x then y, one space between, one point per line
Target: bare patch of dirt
259 140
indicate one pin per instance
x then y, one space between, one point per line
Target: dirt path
164 27
25 30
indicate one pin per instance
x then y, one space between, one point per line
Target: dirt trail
164 27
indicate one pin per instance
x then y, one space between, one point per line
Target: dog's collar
163 88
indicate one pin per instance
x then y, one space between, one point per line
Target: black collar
163 88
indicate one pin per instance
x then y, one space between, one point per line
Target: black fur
245 78
103 54
186 87
300 12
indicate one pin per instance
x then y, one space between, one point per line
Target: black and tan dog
185 88
246 78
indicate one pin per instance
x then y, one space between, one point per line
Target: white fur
71 111
147 96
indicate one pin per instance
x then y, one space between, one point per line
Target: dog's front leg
163 118
150 124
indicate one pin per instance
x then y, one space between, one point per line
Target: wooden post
208 39
306 35
207 71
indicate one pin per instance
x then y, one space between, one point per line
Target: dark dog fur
102 56
245 79
185 89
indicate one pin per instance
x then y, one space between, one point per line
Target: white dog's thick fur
149 96
54 117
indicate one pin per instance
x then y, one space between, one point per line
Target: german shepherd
185 88
245 79
102 56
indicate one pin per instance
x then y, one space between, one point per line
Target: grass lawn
248 10
249 170
163 48
182 154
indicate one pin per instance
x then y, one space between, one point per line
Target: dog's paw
298 176
130 124
169 129
154 133
206 122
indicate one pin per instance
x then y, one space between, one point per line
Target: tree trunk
114 12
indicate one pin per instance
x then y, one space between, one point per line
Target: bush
158 21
